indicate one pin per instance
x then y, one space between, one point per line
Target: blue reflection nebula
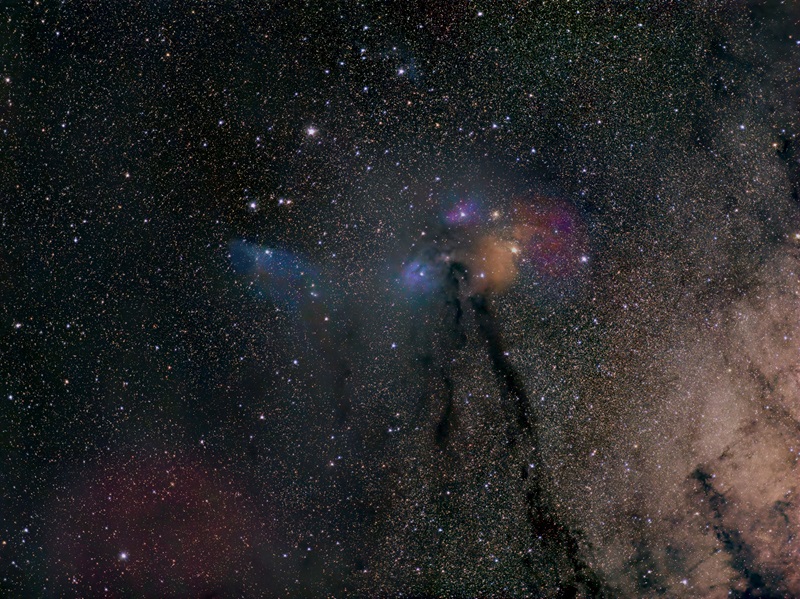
420 277
282 276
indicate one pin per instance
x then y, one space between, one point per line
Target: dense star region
410 299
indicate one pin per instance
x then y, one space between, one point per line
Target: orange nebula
493 264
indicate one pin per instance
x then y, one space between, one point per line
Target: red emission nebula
155 526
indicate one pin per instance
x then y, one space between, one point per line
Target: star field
422 299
